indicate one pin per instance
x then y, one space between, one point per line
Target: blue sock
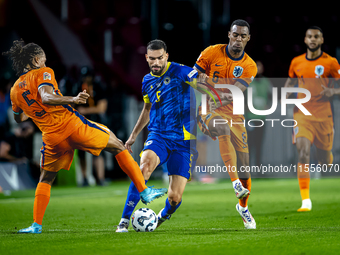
168 209
131 201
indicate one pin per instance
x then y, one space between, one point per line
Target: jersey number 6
215 76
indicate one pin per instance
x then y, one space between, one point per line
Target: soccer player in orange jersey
228 63
36 95
315 71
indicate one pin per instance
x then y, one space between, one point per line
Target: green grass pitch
81 221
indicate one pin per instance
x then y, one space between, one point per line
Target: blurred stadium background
107 39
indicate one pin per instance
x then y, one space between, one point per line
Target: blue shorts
180 156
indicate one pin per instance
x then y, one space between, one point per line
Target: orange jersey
311 74
55 122
218 64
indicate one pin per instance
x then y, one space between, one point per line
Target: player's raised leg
303 147
42 198
149 162
131 168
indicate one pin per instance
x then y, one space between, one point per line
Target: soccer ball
144 220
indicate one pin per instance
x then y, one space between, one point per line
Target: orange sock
246 183
131 168
42 197
304 180
228 155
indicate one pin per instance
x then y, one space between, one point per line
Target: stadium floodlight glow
238 100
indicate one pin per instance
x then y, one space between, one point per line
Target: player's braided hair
22 55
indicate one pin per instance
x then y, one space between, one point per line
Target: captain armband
146 99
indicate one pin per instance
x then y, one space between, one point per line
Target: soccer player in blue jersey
169 106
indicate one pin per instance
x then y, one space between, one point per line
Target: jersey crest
47 76
319 69
167 80
238 70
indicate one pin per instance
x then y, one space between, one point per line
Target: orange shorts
91 137
319 133
238 132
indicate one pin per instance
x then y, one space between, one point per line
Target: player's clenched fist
129 143
81 98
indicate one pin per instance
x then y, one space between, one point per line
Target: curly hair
22 55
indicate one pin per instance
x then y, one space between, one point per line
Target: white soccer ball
144 220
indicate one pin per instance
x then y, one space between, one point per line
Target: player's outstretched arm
47 97
199 82
142 121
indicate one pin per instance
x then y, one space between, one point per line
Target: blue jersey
173 111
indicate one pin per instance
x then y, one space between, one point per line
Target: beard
314 49
158 73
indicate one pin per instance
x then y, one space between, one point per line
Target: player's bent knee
304 155
303 146
325 160
222 129
47 176
114 144
149 162
146 170
174 198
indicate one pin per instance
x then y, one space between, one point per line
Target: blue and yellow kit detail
172 118
173 111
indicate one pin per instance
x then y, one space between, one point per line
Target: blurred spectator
94 110
17 147
115 113
116 118
5 103
68 82
262 99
